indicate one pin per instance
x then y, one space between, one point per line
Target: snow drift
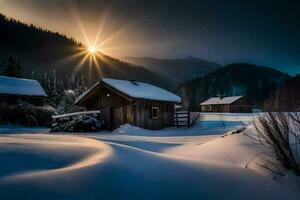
130 165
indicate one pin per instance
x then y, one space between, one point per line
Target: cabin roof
20 86
86 93
220 101
136 89
142 90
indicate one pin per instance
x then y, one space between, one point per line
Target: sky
263 32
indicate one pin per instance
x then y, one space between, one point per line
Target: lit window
155 112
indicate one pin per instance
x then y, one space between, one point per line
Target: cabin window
155 112
210 108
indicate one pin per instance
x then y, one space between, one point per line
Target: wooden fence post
182 118
176 117
188 118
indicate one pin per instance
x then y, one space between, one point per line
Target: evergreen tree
81 85
19 71
12 68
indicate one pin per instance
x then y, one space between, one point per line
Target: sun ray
101 27
90 65
115 34
106 61
75 14
115 49
90 55
98 67
79 54
82 61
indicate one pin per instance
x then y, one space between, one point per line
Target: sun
92 49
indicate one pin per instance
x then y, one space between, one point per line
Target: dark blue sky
258 31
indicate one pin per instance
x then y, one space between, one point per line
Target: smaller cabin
234 104
14 89
123 101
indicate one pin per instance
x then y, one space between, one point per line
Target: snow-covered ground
201 128
9 129
133 163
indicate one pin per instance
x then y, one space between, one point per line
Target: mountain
255 82
41 51
176 70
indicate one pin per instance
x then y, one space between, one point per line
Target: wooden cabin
137 103
14 89
234 104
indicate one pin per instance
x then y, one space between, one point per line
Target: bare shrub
277 130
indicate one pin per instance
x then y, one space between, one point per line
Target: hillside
42 51
256 82
177 70
285 98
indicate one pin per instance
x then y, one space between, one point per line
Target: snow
142 90
77 113
134 163
225 149
86 92
202 128
10 129
137 90
19 86
218 100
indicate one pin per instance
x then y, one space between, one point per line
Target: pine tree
12 68
19 70
54 78
81 85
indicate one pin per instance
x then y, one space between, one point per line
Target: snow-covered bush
26 114
66 101
77 123
76 109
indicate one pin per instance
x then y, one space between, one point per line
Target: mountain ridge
255 82
41 51
176 69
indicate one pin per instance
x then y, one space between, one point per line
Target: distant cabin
234 104
137 103
14 89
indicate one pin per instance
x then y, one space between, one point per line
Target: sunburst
92 50
90 55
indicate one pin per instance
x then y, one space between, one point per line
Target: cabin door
106 117
117 117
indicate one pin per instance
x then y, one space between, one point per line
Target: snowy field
246 118
204 162
8 129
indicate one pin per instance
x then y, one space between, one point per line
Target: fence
246 118
182 117
68 115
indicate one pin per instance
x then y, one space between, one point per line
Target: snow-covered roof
86 92
218 100
20 86
137 90
142 90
